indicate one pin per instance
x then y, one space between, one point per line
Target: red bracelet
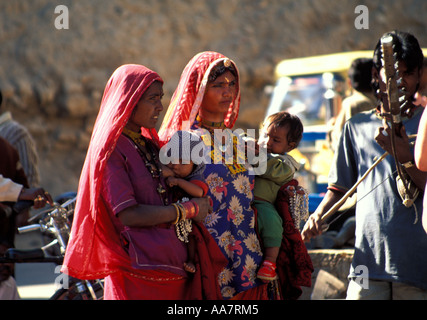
196 207
190 209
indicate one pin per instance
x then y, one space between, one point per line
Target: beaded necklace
148 154
219 148
210 125
298 206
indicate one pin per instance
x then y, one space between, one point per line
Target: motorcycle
55 224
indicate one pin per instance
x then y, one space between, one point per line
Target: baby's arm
189 187
166 171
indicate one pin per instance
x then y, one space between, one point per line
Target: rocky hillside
52 79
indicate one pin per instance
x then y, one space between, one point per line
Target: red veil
94 250
188 96
185 105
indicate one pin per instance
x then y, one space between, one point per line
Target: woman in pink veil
123 228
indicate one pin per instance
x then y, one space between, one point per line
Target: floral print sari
232 222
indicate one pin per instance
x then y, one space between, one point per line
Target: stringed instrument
397 102
391 65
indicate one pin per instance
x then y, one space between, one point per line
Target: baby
185 173
281 133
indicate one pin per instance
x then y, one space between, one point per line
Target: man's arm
313 226
421 155
421 144
12 192
9 190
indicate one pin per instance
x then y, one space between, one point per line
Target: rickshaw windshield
305 96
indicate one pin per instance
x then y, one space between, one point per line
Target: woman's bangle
183 212
191 209
178 215
196 208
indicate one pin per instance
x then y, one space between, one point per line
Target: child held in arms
281 132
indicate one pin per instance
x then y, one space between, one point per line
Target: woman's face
219 94
147 110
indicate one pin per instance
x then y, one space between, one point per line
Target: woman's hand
204 208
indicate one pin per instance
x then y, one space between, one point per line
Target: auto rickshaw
313 89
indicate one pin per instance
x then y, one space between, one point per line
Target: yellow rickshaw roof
335 62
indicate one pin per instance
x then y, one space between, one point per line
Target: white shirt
8 290
9 190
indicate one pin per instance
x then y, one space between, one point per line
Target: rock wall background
52 80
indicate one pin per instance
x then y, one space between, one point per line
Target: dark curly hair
284 119
360 74
220 69
407 49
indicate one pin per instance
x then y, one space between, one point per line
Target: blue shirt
388 242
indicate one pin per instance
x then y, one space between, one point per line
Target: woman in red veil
123 227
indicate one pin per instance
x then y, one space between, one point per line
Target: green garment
280 170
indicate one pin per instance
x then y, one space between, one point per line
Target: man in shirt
20 138
390 260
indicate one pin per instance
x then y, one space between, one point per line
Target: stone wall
52 80
333 266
